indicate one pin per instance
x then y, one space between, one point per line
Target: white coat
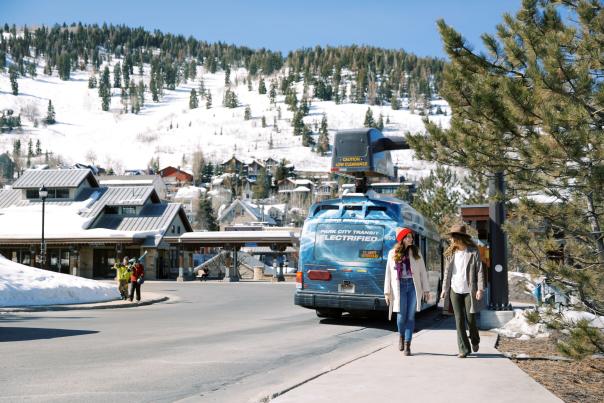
392 286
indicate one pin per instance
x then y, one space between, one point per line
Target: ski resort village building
87 225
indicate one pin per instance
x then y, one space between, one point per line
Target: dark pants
461 309
135 286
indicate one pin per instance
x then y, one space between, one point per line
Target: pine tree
272 94
193 71
92 82
140 91
126 72
261 87
227 75
124 99
154 89
193 101
260 188
50 114
437 197
12 71
247 114
263 121
117 76
209 100
532 109
202 87
270 142
105 90
323 142
394 104
206 218
380 123
307 140
38 148
298 123
369 122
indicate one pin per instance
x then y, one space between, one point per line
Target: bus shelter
277 240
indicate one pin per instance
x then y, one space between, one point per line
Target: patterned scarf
404 264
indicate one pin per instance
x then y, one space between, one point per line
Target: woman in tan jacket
463 285
405 280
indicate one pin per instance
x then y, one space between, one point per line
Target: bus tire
329 313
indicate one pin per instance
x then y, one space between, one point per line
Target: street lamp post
43 193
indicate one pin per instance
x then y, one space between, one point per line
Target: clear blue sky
281 24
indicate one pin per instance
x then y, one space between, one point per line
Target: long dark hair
400 250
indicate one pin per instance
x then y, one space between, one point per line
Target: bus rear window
348 243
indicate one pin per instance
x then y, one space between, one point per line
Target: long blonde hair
453 246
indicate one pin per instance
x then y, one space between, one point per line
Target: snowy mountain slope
171 131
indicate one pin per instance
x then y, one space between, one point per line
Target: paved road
210 342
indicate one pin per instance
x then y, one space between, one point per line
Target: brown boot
407 350
401 346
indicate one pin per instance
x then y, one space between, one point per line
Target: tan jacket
475 274
392 286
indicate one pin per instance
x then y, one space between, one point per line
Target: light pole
43 193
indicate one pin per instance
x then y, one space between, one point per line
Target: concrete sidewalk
148 298
432 374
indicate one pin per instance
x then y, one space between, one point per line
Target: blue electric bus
345 242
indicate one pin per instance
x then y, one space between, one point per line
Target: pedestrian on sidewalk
122 276
406 280
463 286
136 279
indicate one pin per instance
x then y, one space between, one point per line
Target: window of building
129 210
111 210
56 193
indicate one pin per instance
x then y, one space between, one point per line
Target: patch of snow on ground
22 285
519 327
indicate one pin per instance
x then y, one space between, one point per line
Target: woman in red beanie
405 280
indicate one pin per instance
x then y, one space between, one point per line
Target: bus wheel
329 313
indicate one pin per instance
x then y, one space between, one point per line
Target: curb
83 307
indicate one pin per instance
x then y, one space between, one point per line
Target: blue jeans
405 319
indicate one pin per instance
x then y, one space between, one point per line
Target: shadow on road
37 333
6 318
423 320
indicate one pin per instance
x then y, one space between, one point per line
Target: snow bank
22 285
520 327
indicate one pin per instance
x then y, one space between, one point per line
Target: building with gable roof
87 226
241 212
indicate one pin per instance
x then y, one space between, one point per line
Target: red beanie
401 233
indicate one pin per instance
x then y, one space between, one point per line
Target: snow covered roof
250 209
54 178
301 189
189 192
151 218
122 196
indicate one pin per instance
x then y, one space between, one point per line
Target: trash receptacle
258 273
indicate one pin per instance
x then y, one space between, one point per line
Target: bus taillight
323 275
299 280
